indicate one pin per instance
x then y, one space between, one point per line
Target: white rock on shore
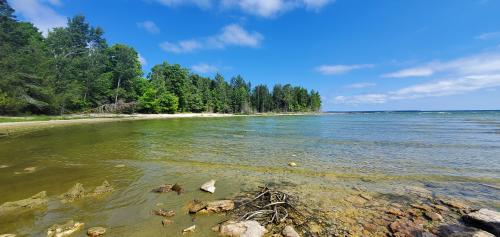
242 229
289 231
485 219
209 186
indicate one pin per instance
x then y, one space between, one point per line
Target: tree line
73 69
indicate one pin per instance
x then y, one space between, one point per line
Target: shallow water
449 153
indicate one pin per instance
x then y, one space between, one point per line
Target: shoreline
7 128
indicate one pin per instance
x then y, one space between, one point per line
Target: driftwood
119 107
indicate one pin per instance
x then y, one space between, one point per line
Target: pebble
120 166
96 231
292 164
189 229
289 231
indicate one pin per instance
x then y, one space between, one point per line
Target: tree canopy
73 69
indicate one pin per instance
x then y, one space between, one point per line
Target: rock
405 228
164 213
177 188
37 200
66 229
241 229
163 188
196 206
419 191
454 203
289 231
292 164
120 166
166 222
366 196
485 219
395 211
314 227
461 231
189 229
433 216
30 169
104 188
221 205
8 235
75 193
423 207
209 186
440 208
3 167
96 231
356 200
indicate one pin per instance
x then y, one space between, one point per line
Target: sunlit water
450 153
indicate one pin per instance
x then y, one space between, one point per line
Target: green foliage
74 70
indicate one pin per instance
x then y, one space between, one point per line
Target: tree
261 99
174 79
240 95
125 69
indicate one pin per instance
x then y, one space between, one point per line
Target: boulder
96 231
461 231
209 186
65 229
289 231
37 200
241 229
74 193
485 219
221 205
196 206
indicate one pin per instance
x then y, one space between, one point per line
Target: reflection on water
452 153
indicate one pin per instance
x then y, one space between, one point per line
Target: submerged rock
120 166
241 229
104 188
405 227
74 193
485 219
164 213
221 205
196 206
96 231
433 216
461 231
455 203
3 167
8 235
189 229
65 229
166 222
292 164
289 231
395 211
165 188
37 200
30 169
209 186
177 188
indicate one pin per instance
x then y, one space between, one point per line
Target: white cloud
204 68
230 35
149 26
143 60
340 69
476 64
361 85
262 8
488 36
40 14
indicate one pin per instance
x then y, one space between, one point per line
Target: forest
72 69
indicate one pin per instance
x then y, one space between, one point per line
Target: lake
388 154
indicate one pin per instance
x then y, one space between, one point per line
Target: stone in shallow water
485 219
65 229
164 213
30 169
405 227
221 205
454 203
289 231
241 229
292 164
433 216
37 200
189 229
196 206
8 235
166 222
461 231
104 188
165 188
395 211
209 186
96 231
74 193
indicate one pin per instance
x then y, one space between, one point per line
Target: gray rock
37 200
242 229
209 186
289 231
65 229
461 231
485 219
96 231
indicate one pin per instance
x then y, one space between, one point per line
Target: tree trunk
117 87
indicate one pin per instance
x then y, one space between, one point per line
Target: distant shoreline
29 123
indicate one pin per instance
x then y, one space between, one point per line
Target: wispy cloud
459 76
40 13
488 36
262 8
143 60
149 26
230 35
481 63
341 69
204 68
361 85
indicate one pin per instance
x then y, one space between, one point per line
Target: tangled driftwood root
276 209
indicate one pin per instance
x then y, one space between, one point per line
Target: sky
359 54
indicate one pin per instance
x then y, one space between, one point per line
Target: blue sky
360 54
